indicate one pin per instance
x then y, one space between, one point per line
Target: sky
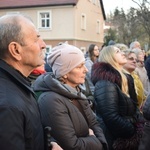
110 5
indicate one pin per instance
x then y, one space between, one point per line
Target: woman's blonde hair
108 55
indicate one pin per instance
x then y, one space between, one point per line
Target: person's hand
91 132
55 146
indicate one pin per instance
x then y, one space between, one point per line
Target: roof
7 4
103 10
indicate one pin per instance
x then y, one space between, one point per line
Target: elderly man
135 44
21 51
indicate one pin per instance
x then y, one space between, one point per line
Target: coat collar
105 71
15 75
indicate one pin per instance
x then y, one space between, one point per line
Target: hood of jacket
47 82
105 71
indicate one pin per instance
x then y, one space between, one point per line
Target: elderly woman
130 67
116 111
141 71
63 106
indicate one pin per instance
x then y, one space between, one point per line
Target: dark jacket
115 111
131 88
146 108
145 141
69 127
20 124
147 66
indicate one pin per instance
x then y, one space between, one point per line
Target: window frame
98 27
83 21
48 47
40 19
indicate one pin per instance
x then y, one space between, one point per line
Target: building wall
93 13
66 23
62 21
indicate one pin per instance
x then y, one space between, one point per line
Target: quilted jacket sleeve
107 99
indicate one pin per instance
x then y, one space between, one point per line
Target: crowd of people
97 102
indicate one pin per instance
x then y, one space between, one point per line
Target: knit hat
63 58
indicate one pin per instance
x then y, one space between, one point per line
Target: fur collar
105 71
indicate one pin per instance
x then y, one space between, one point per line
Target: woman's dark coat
69 128
146 108
114 109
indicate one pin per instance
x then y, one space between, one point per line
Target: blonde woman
115 109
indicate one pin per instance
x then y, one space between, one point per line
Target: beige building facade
79 24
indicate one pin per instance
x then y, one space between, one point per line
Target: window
83 22
13 12
98 27
94 2
44 19
98 3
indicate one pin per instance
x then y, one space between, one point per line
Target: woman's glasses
132 59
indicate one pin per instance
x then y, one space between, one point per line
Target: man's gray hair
10 31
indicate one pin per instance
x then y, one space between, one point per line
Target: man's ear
14 50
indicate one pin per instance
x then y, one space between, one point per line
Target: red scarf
38 71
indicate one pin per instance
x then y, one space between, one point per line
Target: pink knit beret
63 58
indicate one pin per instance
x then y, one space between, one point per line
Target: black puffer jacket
145 141
114 109
20 124
146 108
69 127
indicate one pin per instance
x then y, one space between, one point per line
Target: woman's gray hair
128 52
121 46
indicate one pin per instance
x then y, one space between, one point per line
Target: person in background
47 68
141 71
145 141
121 46
93 53
135 44
135 84
36 72
63 106
147 64
111 42
21 51
144 53
115 109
